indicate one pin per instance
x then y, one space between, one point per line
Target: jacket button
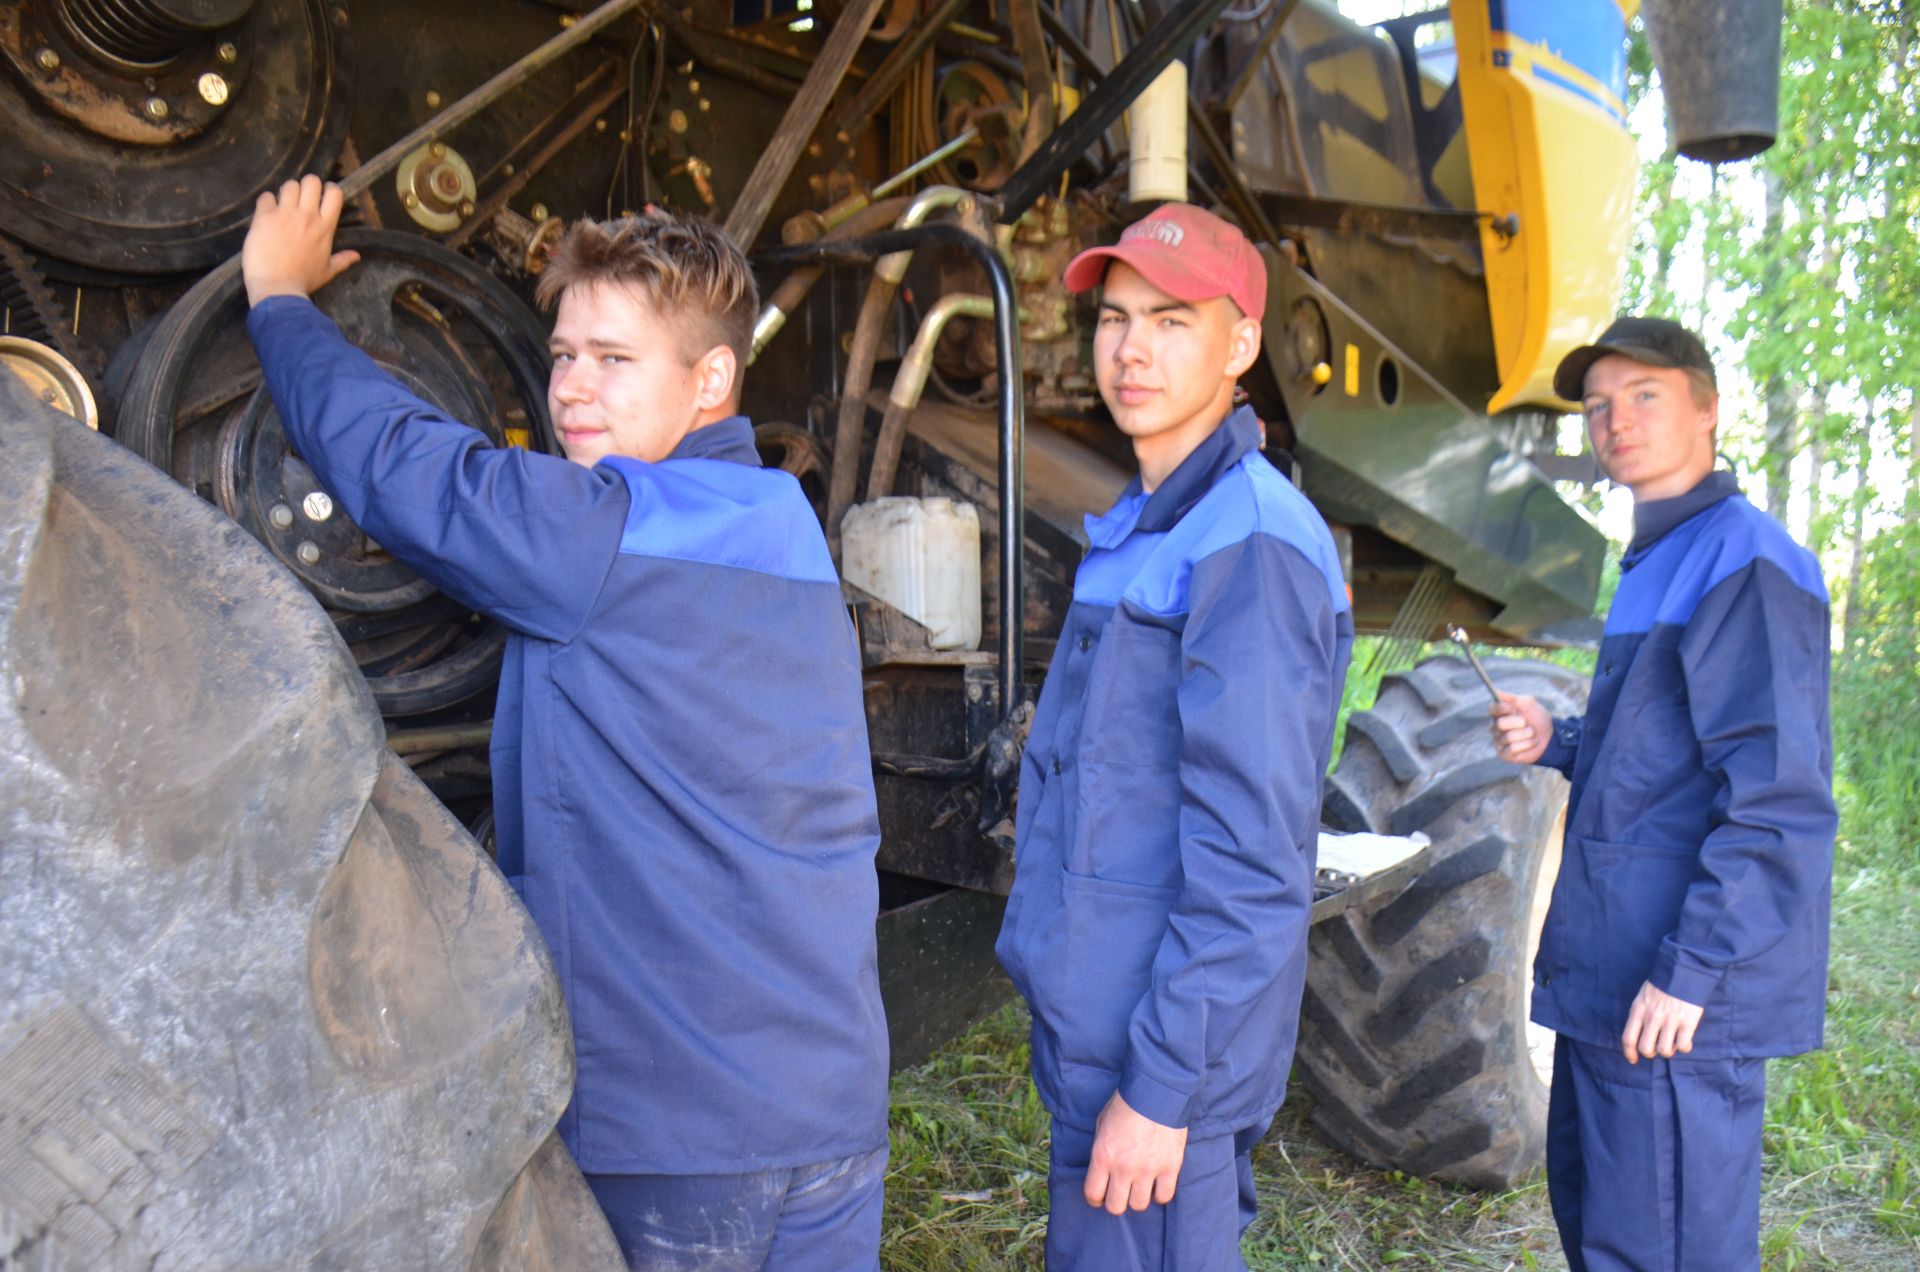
1056 766
1086 643
1546 978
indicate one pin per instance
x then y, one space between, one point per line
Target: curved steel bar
1012 404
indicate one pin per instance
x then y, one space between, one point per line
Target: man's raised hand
289 247
1521 728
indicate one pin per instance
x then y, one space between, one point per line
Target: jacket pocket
1112 931
1127 794
1633 896
1132 717
1126 828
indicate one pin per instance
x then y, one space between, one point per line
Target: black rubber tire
258 987
1413 1036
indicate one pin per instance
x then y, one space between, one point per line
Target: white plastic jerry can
921 556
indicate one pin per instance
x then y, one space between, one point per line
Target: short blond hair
1705 391
686 268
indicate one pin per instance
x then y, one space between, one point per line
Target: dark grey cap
1658 342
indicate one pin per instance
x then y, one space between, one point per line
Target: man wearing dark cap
1687 938
1170 793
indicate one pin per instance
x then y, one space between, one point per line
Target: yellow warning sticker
1353 370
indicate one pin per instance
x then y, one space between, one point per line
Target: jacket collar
1188 484
1653 520
730 439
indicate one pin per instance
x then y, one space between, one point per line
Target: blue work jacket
682 787
1699 842
1170 797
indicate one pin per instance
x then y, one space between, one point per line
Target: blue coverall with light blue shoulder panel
1698 858
1700 825
682 785
1170 797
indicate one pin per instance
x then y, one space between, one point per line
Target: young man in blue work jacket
681 776
1170 793
1687 937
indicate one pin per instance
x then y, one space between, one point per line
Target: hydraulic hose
1012 410
868 329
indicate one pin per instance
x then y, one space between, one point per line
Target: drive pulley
196 407
141 130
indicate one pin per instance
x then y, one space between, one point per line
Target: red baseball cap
1188 253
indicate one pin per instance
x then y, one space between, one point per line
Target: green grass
967 1184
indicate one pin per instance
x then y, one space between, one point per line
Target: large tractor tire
1414 1036
263 1003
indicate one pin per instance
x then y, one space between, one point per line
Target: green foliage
1876 687
1814 249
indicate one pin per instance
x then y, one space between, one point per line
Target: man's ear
716 374
1245 347
1710 423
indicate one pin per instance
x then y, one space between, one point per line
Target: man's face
621 384
1648 432
1167 366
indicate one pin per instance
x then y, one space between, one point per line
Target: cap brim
1087 270
1570 377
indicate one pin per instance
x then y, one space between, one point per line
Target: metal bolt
409 199
626 134
437 149
433 100
213 89
568 19
308 553
281 516
466 208
693 86
705 104
506 169
318 506
677 121
227 53
156 108
814 150
539 212
47 60
599 125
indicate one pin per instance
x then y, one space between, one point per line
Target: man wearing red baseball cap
1170 793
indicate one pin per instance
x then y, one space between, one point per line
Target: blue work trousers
1655 1166
1198 1231
820 1218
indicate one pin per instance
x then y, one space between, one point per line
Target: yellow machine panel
1542 84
